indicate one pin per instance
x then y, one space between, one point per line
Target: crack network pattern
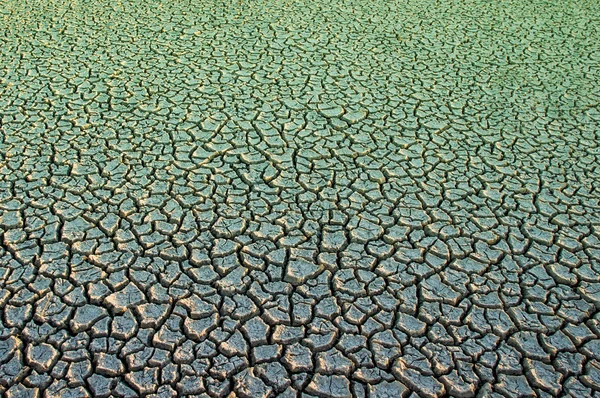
299 198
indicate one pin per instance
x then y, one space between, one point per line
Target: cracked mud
299 198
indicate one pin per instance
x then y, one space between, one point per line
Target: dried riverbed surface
299 198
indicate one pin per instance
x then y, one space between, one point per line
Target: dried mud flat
299 198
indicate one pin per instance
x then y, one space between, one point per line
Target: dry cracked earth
299 198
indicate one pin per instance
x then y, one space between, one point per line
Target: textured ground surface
315 198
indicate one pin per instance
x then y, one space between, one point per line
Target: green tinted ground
316 198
